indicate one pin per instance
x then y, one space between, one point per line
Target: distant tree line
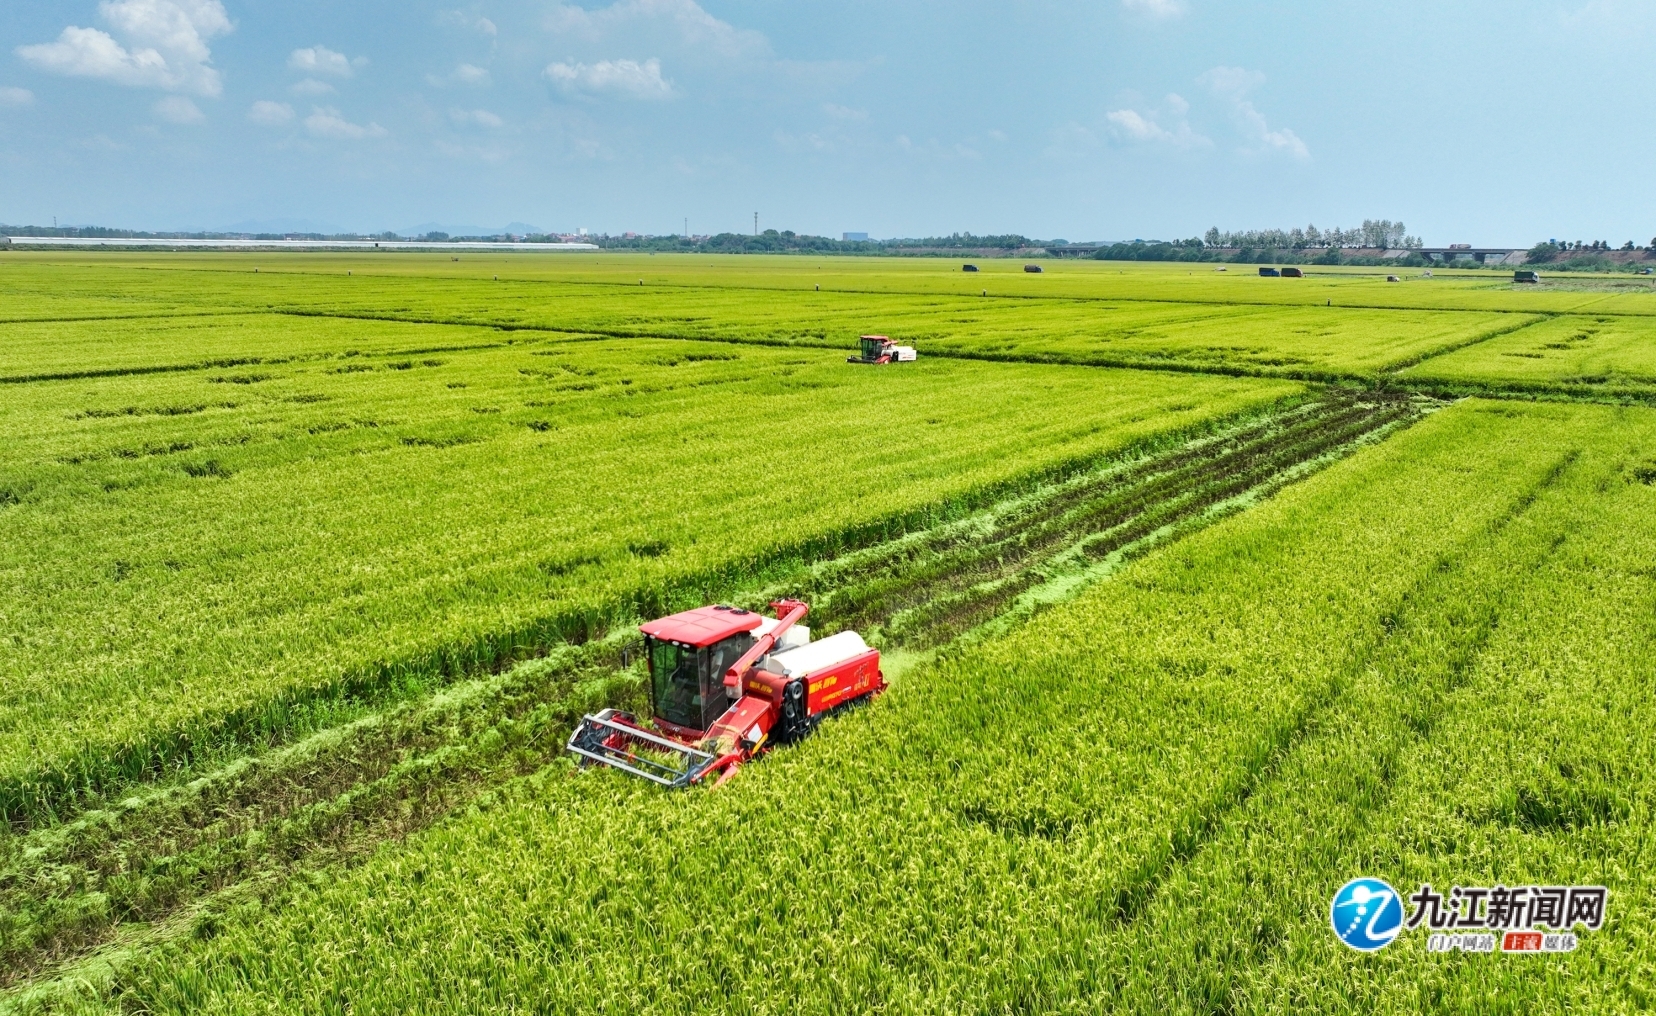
1255 246
1378 233
1196 249
1592 256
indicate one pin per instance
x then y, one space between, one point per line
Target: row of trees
1566 253
1197 250
1378 233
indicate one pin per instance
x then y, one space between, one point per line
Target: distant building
853 236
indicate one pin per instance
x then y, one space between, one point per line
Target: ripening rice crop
240 508
1229 326
1500 736
184 547
54 284
1429 661
240 344
1581 354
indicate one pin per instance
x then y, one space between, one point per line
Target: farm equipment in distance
725 685
879 349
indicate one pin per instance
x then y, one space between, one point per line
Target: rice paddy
1201 595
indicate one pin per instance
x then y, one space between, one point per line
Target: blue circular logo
1367 914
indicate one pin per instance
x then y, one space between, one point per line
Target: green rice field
1200 595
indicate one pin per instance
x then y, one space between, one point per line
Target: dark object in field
1522 276
968 268
1292 273
879 349
725 684
1033 268
1393 278
1269 272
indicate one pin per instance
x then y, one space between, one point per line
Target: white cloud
477 117
627 78
322 60
844 112
460 19
10 96
325 122
935 149
165 46
1155 8
678 24
1070 141
311 86
1136 126
270 113
1232 84
463 74
178 109
481 153
1166 125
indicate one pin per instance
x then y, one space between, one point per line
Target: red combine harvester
726 684
879 349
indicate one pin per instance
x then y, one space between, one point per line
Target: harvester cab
726 684
880 349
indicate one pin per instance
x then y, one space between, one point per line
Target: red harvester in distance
879 349
726 684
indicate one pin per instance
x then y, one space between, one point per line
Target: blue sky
1487 123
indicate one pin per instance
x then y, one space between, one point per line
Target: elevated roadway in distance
420 245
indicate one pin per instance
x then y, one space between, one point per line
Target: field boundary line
1526 392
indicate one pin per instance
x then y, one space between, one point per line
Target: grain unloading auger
725 685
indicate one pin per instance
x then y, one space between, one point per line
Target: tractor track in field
162 861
